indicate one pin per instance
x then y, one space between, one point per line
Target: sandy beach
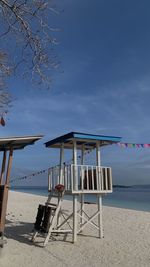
126 241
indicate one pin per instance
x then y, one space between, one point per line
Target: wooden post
82 155
75 219
100 221
3 206
9 166
4 190
75 178
49 180
98 163
99 196
82 195
3 167
61 175
75 152
98 157
61 163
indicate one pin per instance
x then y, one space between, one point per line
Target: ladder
47 218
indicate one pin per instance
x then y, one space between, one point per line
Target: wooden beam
3 206
75 168
3 167
100 221
99 196
82 154
75 219
61 163
98 157
9 166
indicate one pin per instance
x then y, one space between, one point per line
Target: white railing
59 176
81 178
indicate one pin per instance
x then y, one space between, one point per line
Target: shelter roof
18 142
88 140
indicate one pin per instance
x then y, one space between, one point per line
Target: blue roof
89 140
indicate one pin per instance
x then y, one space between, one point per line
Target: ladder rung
54 195
51 205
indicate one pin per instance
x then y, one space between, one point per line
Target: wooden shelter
78 180
7 146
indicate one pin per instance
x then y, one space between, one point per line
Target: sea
129 197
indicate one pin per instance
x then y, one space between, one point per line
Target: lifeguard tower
7 147
77 180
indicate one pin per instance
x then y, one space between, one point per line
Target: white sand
126 241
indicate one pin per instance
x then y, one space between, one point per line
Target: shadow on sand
23 231
20 231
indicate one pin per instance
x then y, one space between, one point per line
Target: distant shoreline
45 186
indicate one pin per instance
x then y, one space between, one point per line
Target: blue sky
102 87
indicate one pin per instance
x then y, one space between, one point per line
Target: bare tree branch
5 97
25 22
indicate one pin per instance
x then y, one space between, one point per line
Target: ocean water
134 197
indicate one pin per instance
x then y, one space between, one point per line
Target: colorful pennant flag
130 145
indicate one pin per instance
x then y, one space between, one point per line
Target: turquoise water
135 197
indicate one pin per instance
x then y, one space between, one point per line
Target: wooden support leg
59 217
100 221
3 207
3 167
2 240
4 191
9 166
58 220
74 237
34 236
82 210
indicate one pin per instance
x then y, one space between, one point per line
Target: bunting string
130 145
44 171
120 144
28 176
